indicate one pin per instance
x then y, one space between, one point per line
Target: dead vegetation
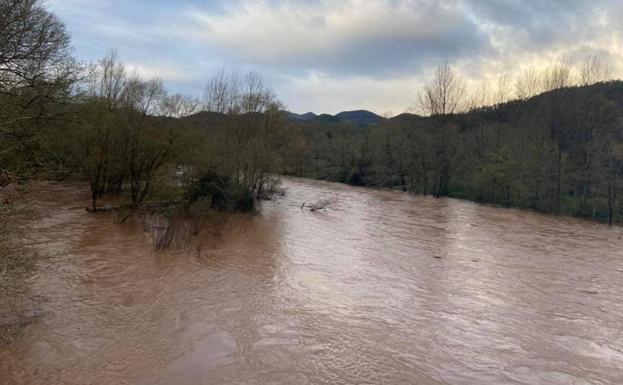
183 226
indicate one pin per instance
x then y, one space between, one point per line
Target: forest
548 140
558 151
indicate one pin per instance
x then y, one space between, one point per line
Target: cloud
534 27
327 55
356 37
334 94
170 72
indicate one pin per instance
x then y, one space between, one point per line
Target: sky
328 56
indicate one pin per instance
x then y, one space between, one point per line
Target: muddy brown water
381 288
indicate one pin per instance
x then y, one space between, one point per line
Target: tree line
549 141
125 135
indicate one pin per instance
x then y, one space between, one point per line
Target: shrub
223 193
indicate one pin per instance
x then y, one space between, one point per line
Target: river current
380 288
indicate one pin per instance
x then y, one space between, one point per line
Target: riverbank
463 197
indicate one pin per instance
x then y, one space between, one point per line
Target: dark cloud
400 38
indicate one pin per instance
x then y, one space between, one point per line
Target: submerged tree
248 133
125 134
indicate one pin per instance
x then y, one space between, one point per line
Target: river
380 288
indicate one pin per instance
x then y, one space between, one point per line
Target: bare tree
178 106
528 84
503 89
444 94
557 76
441 97
99 153
125 136
37 75
34 46
248 128
255 97
146 97
109 79
479 96
555 112
221 93
593 70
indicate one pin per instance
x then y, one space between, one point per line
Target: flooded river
381 288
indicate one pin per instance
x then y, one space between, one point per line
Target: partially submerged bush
183 225
222 193
271 187
205 210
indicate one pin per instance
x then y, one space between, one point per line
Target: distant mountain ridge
301 117
356 117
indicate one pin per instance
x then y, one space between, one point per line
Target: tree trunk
559 178
610 208
93 200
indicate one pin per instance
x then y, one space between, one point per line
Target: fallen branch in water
317 206
152 206
105 209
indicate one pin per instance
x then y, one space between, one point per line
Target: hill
356 118
359 117
301 117
558 152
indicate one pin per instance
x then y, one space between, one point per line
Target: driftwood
104 209
318 205
151 206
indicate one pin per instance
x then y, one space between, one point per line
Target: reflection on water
382 287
